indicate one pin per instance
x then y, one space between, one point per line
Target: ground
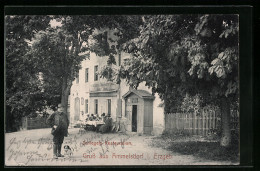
34 148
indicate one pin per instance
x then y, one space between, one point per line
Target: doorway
134 118
109 106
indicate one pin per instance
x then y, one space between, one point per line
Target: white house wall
82 90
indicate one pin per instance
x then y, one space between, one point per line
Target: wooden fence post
190 123
206 124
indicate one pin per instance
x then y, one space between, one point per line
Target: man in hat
59 123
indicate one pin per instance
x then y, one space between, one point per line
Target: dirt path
34 148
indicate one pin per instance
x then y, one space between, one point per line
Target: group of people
93 117
96 117
106 119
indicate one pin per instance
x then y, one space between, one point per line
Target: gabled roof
140 93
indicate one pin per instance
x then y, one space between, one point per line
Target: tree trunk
119 100
65 94
64 101
225 123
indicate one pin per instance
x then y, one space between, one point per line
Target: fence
34 123
203 124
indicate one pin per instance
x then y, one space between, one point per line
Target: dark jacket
107 126
61 121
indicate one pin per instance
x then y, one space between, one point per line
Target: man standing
59 123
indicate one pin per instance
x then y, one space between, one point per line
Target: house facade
91 94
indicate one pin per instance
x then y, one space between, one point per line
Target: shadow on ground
207 150
198 147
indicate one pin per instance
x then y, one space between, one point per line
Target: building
91 94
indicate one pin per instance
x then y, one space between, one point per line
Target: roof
140 93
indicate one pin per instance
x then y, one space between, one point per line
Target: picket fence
197 124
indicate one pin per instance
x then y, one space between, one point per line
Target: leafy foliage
108 72
23 89
194 54
175 55
179 54
55 53
191 104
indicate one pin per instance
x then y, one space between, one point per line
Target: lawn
198 146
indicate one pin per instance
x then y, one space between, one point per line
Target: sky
54 23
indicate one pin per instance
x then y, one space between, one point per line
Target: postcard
122 90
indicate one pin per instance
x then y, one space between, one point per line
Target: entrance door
109 106
134 118
76 109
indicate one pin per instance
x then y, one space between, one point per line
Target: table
94 125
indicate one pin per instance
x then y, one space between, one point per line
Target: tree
194 54
41 71
23 91
173 54
55 53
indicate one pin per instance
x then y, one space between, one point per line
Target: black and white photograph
122 90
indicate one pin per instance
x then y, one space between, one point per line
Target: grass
198 146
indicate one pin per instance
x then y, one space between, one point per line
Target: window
96 73
86 75
96 106
108 106
82 101
77 78
86 106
